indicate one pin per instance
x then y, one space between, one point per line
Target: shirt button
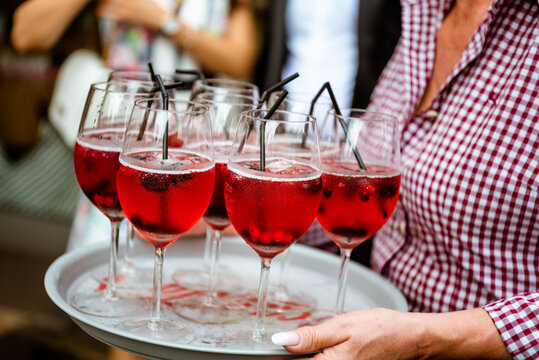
431 114
402 227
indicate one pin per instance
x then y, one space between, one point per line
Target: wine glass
197 279
164 190
128 275
224 86
209 306
97 149
361 181
273 187
281 297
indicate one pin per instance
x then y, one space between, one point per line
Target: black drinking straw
268 115
164 94
311 110
198 73
264 98
327 86
152 72
175 85
150 102
147 113
266 94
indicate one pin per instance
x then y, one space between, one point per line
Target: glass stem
110 291
343 277
129 242
208 250
259 333
282 289
156 292
212 281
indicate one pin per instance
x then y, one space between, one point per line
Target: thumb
311 338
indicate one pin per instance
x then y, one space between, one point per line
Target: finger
340 352
323 355
312 338
113 12
110 2
105 10
319 356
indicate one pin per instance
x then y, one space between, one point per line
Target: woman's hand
138 12
389 334
362 334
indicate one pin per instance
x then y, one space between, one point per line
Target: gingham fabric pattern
466 230
525 308
315 236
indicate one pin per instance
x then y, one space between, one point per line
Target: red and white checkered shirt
466 230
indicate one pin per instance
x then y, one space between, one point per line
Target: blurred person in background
217 36
463 242
346 42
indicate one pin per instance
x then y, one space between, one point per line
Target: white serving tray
311 271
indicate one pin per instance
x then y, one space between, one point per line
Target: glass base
165 330
249 336
127 276
198 280
98 304
205 310
281 300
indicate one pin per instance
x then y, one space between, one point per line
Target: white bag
79 70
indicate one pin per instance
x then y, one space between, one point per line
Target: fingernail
288 338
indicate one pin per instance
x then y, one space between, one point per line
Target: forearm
232 54
39 24
468 334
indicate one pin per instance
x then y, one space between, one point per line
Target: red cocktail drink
271 210
273 187
361 179
216 215
355 204
211 307
165 198
164 190
96 164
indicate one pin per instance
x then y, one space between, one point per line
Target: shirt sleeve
517 320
